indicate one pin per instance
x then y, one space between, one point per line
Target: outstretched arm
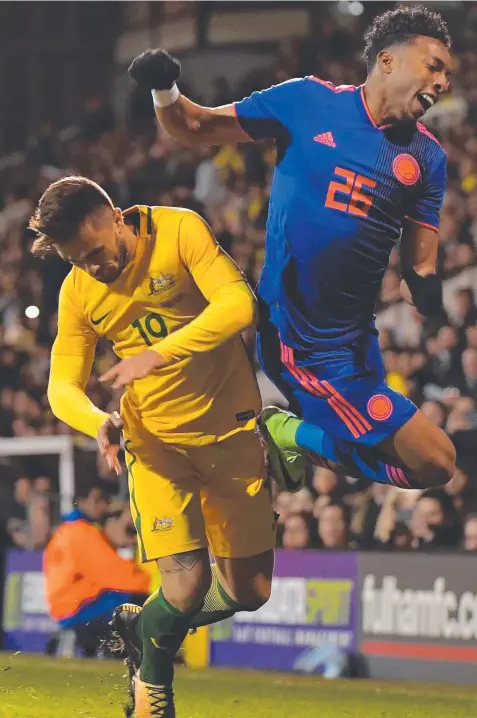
265 114
195 125
183 119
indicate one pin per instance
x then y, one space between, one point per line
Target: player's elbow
186 126
246 311
55 395
52 396
194 135
185 136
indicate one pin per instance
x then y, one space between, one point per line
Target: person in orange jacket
85 577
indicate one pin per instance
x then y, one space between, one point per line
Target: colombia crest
406 169
380 407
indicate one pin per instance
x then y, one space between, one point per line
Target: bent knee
189 596
185 586
439 469
254 597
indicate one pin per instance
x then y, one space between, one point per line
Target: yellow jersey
181 296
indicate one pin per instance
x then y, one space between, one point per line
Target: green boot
287 461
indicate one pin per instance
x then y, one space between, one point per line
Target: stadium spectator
401 537
85 577
468 383
470 533
366 509
461 489
334 526
119 527
396 508
39 513
17 523
324 481
434 523
299 532
435 412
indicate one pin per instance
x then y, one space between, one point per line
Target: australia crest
161 283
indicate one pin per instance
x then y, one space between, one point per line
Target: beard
113 270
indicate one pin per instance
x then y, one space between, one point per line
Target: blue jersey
341 190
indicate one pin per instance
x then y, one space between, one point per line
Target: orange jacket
80 564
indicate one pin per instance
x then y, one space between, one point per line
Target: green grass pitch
39 687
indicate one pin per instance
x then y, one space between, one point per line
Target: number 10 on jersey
359 202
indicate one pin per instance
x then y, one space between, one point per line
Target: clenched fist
155 70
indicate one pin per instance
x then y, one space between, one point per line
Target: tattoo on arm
185 561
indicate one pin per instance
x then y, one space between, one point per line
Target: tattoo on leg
186 561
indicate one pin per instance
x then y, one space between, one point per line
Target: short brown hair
61 211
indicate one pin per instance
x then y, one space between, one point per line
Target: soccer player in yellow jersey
154 281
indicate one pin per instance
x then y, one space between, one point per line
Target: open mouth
426 100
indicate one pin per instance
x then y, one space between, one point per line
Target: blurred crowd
30 511
434 362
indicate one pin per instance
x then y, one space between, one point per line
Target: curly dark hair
400 25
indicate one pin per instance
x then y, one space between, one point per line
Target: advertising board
418 616
313 604
26 624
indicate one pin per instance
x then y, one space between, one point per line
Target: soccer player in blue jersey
356 174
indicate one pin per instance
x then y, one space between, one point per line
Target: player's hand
128 370
109 438
155 70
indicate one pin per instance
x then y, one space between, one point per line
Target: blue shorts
342 391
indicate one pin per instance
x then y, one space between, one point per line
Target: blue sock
358 461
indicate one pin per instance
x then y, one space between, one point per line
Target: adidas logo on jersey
325 138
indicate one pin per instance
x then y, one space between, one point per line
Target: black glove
426 292
155 70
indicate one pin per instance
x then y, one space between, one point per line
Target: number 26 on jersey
350 195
